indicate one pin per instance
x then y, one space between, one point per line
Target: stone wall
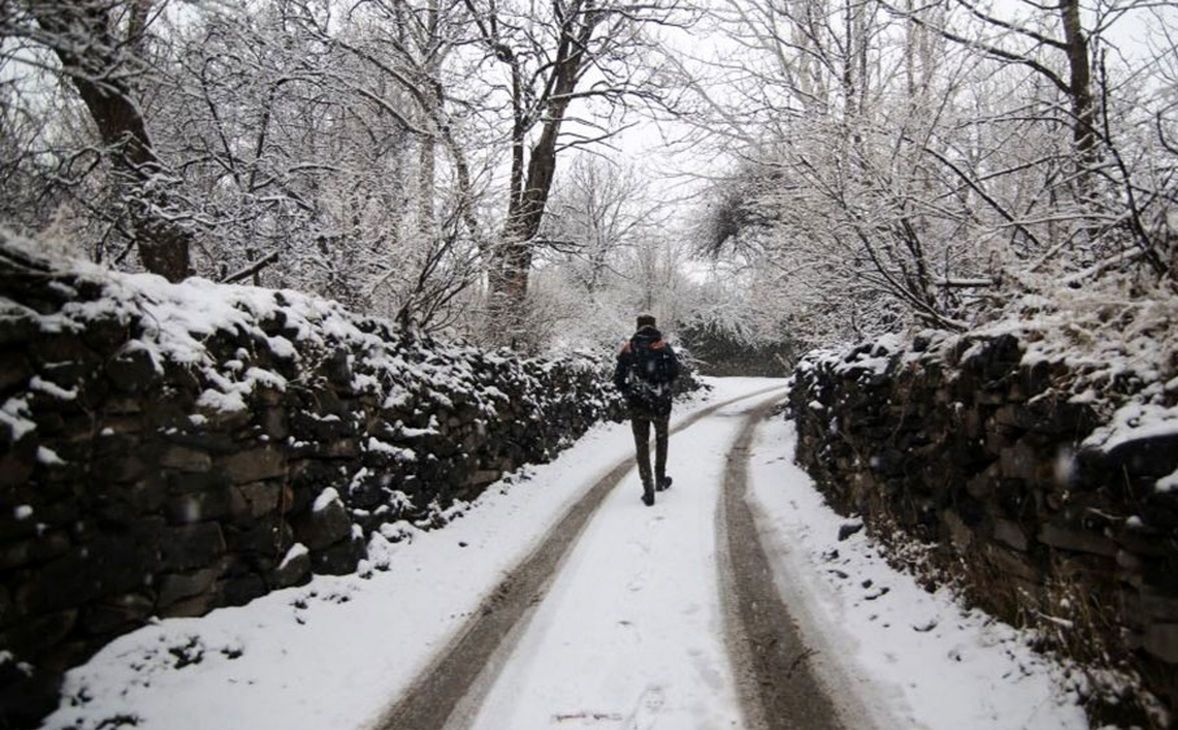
958 443
168 449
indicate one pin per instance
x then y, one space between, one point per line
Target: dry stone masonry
1052 507
168 449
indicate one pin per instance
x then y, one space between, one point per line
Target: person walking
645 371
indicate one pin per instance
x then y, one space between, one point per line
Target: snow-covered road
629 633
632 630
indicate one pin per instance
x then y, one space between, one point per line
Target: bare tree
598 211
99 47
575 51
933 176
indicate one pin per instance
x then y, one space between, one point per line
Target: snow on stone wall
1043 486
167 449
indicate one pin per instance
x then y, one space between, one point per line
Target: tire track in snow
446 683
774 676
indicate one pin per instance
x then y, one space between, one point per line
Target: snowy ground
629 633
929 662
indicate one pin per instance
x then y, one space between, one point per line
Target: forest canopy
832 168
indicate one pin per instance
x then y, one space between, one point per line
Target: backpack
651 362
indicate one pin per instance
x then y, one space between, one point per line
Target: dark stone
134 370
217 419
211 504
849 528
339 559
50 348
120 469
107 565
1015 499
309 477
1065 538
319 529
260 498
212 442
1021 462
12 529
1161 640
14 371
183 458
264 536
148 494
342 448
1153 456
34 550
1009 562
198 605
18 328
192 546
191 483
59 513
243 589
18 463
105 335
183 379
888 462
122 406
38 632
117 614
996 358
255 465
1010 534
1159 607
482 477
112 443
338 369
1142 541
294 570
125 504
176 586
368 492
274 423
25 699
318 427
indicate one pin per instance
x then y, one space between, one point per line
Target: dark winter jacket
646 369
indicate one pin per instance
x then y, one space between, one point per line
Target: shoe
647 495
664 484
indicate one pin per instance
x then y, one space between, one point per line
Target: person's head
645 320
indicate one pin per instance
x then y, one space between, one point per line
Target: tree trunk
86 48
1080 82
512 258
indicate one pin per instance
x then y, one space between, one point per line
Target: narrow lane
449 691
631 633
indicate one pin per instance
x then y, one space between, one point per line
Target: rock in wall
1047 508
168 449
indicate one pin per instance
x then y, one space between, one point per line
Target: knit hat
645 320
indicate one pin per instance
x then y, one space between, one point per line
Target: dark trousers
640 423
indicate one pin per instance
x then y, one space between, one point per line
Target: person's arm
622 368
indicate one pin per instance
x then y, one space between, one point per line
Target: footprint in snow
650 703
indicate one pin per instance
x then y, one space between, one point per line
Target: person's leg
661 428
641 428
